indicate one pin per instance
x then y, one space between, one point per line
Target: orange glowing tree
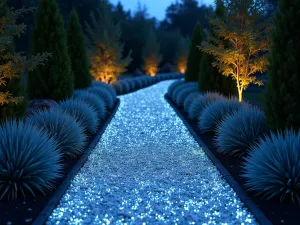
151 54
239 42
182 54
105 49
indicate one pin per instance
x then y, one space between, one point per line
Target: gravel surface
148 169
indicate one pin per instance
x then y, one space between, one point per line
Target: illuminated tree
239 41
282 99
12 64
151 54
182 54
105 49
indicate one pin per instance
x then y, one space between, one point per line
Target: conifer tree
282 99
104 46
210 79
78 53
151 54
182 54
194 56
239 42
13 64
55 80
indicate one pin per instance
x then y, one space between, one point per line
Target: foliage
125 86
54 80
83 113
105 49
216 112
182 94
107 87
282 102
68 134
194 56
201 102
131 84
151 54
272 168
181 87
20 142
93 100
239 131
138 83
182 54
104 95
78 53
12 63
189 99
118 87
173 86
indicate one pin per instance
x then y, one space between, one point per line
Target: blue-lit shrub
189 99
118 87
125 86
273 167
183 93
83 113
214 113
181 87
108 99
173 86
107 87
138 83
93 100
201 102
29 160
68 134
239 131
131 84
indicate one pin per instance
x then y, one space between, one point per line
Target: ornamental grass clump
189 99
239 131
105 86
68 134
214 113
183 93
181 87
273 166
93 100
173 86
138 83
201 102
29 160
104 95
118 87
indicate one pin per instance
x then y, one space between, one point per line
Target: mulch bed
26 211
276 212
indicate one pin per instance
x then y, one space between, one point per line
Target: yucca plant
83 113
273 166
68 134
239 131
173 86
93 100
104 95
189 99
29 160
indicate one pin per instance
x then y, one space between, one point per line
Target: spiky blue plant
118 87
92 100
173 86
189 99
138 83
273 166
106 86
183 93
68 134
125 86
181 87
83 113
215 112
201 102
29 160
131 84
239 131
104 95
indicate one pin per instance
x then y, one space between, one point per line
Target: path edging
258 214
60 191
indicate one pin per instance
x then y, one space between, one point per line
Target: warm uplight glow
150 67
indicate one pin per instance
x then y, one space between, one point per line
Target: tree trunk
240 94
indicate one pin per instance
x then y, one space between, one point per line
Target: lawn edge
258 214
60 191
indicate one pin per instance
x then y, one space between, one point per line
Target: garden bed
276 212
36 210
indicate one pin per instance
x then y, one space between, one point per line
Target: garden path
148 169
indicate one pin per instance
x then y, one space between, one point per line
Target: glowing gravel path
148 169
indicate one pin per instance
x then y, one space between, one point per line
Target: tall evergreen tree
210 79
105 49
78 53
151 54
55 80
282 99
194 57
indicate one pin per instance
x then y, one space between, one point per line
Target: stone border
60 191
258 214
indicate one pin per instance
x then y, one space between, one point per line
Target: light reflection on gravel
148 169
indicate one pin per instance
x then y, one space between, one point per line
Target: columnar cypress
54 80
282 99
78 53
194 57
